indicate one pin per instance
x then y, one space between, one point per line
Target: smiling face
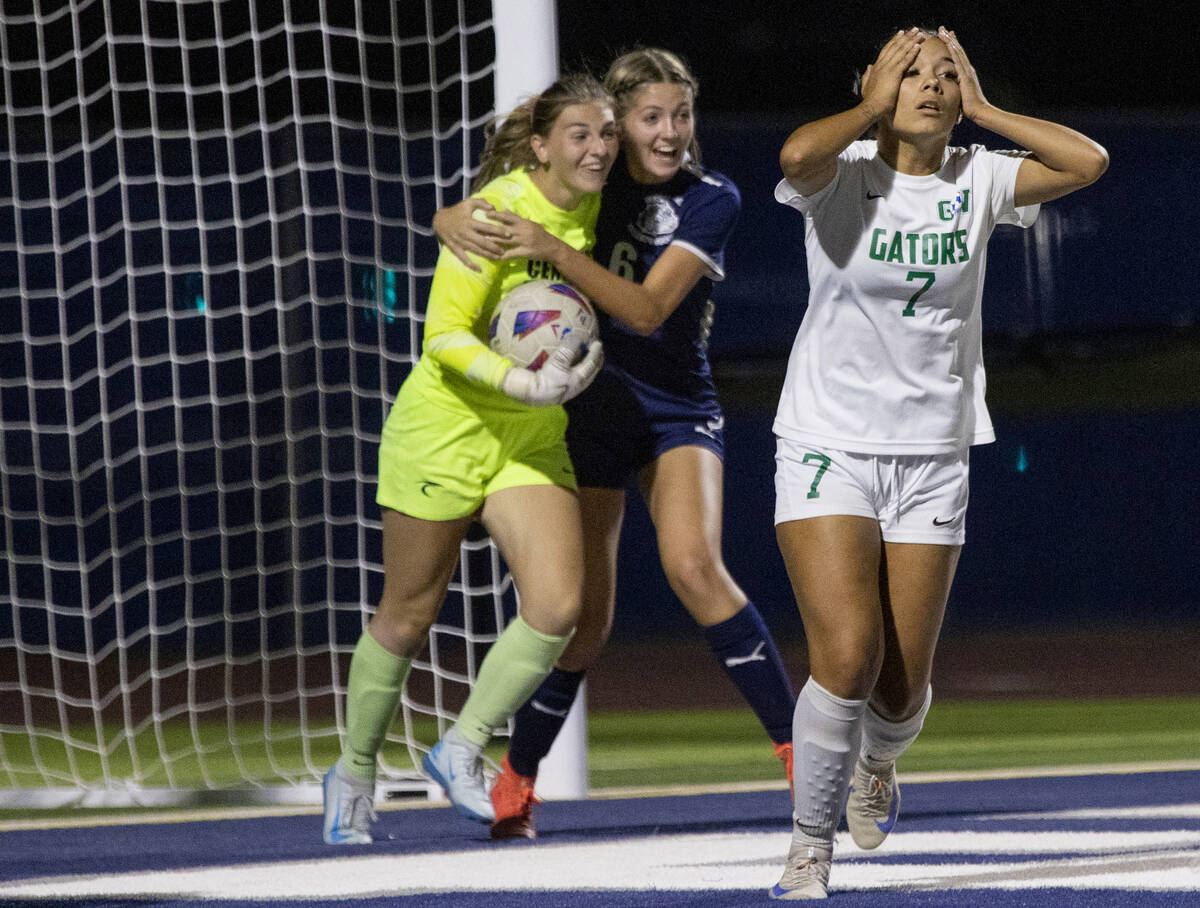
656 131
577 153
929 102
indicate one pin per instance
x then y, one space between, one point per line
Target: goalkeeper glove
557 381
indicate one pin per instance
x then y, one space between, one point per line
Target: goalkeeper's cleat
457 765
873 804
349 809
806 875
513 800
784 752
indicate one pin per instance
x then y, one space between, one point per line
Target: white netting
214 250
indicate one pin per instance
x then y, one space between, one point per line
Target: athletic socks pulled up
539 721
377 678
517 663
744 647
827 734
884 742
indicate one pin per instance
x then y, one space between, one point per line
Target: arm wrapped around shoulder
557 381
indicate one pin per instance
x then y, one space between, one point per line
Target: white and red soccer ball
536 318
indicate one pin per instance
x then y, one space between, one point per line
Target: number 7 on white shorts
823 465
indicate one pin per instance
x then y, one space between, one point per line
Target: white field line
233 812
1167 860
1157 812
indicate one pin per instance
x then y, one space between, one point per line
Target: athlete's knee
695 573
848 665
553 592
557 619
401 626
553 608
591 636
897 701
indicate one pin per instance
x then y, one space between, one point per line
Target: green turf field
701 747
704 747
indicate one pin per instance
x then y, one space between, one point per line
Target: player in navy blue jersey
652 413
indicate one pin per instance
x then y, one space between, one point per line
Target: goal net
214 256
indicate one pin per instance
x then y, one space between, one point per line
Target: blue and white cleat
457 765
806 875
873 804
349 809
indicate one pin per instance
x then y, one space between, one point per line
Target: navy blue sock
746 651
538 722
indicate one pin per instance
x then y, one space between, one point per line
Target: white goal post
214 256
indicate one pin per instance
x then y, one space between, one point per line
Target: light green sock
512 670
376 682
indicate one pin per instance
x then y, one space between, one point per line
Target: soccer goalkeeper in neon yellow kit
473 437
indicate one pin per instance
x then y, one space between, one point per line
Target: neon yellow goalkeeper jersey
456 365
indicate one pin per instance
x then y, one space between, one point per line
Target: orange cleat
513 800
784 752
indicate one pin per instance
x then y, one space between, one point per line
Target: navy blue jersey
637 222
655 392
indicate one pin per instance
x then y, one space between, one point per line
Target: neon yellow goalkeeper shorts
440 464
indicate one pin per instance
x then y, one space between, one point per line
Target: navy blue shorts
619 425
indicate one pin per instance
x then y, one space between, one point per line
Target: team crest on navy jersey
657 223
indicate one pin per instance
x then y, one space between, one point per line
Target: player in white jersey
883 397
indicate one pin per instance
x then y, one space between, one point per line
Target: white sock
827 731
883 742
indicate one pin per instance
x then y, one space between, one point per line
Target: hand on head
968 82
881 81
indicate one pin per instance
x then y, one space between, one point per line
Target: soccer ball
536 318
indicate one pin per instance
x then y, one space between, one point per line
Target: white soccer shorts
915 497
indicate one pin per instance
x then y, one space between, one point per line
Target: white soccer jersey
888 358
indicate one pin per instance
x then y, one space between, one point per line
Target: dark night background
783 57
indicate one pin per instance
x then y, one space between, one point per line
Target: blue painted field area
1115 839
